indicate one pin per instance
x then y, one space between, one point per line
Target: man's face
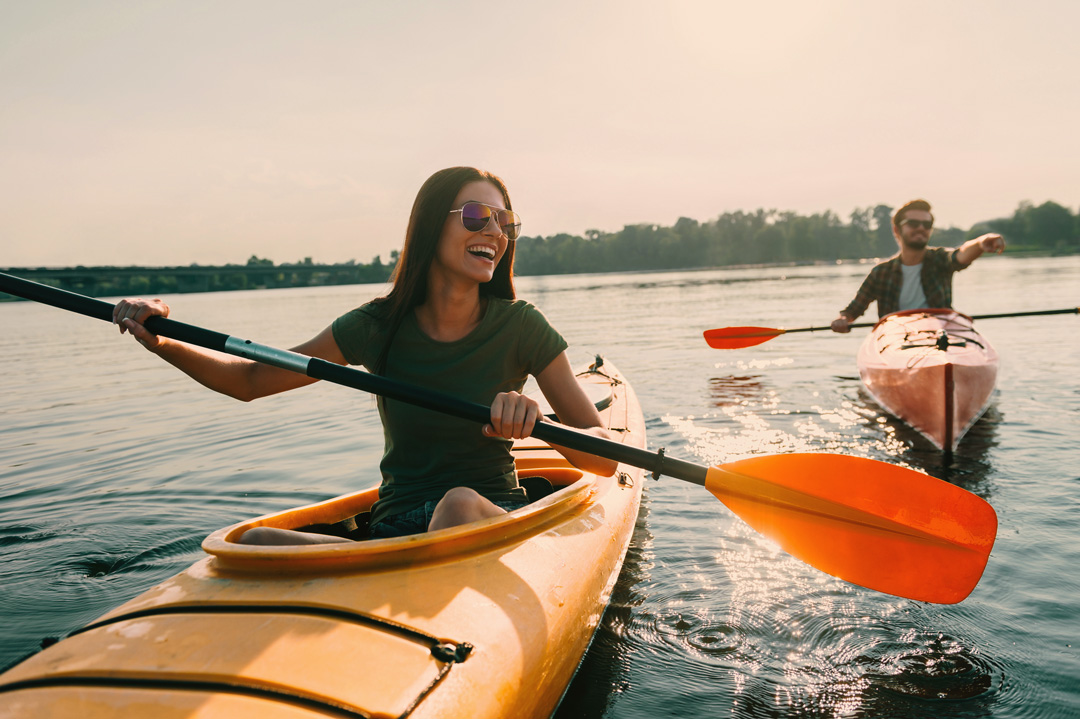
915 229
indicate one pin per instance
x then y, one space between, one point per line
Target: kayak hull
932 370
489 619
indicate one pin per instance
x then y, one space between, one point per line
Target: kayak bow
932 369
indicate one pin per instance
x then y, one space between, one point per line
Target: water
113 467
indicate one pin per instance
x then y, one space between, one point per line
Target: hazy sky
159 133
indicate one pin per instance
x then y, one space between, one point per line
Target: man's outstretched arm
974 249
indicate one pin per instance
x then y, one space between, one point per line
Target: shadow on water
737 390
633 282
809 654
603 673
926 673
970 466
101 564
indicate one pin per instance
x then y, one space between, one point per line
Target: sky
177 132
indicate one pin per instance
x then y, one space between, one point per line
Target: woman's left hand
513 416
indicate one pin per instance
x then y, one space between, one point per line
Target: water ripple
112 472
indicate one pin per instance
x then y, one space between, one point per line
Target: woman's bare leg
272 535
462 505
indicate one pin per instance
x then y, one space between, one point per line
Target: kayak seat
355 528
536 487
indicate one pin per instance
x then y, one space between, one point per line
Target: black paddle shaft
1034 313
317 368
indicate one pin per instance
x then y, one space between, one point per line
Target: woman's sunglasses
475 216
916 224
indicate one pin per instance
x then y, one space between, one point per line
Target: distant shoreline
111 280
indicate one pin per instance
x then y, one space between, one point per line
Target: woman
449 322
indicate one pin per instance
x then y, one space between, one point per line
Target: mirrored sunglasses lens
510 223
475 216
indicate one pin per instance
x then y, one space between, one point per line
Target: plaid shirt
884 282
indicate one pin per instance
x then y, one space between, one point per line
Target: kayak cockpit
570 490
558 490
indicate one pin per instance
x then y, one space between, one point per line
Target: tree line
258 273
733 238
771 236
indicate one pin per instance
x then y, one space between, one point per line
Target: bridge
114 281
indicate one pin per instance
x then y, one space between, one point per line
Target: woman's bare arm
235 377
573 407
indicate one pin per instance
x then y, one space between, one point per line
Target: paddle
733 338
874 524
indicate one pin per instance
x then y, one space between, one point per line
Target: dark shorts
416 521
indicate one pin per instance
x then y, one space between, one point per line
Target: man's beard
919 242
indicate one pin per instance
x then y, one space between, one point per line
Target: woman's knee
461 505
461 499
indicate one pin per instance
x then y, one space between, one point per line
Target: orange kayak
488 619
932 369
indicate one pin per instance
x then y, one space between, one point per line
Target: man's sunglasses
925 224
475 216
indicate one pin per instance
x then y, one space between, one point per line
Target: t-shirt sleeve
357 334
867 293
954 261
539 343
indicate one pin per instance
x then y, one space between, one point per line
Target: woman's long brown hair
433 203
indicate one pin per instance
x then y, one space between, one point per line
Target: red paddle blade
874 524
733 338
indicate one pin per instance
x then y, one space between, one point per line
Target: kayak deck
931 369
488 619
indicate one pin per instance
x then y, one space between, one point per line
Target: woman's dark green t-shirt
428 453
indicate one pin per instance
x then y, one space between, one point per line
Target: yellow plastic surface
383 553
526 590
98 703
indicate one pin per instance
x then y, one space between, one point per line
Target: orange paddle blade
870 523
733 338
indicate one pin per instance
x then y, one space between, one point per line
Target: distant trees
1049 226
733 238
883 244
767 236
256 273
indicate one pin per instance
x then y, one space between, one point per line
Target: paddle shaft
1069 311
349 377
880 526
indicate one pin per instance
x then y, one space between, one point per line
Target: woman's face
466 255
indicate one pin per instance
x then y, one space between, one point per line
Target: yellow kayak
489 619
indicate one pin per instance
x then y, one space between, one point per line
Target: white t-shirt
911 292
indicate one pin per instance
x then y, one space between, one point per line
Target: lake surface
114 467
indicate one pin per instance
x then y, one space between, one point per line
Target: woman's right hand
513 416
130 314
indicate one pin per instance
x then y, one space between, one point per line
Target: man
918 276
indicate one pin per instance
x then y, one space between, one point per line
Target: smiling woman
452 320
